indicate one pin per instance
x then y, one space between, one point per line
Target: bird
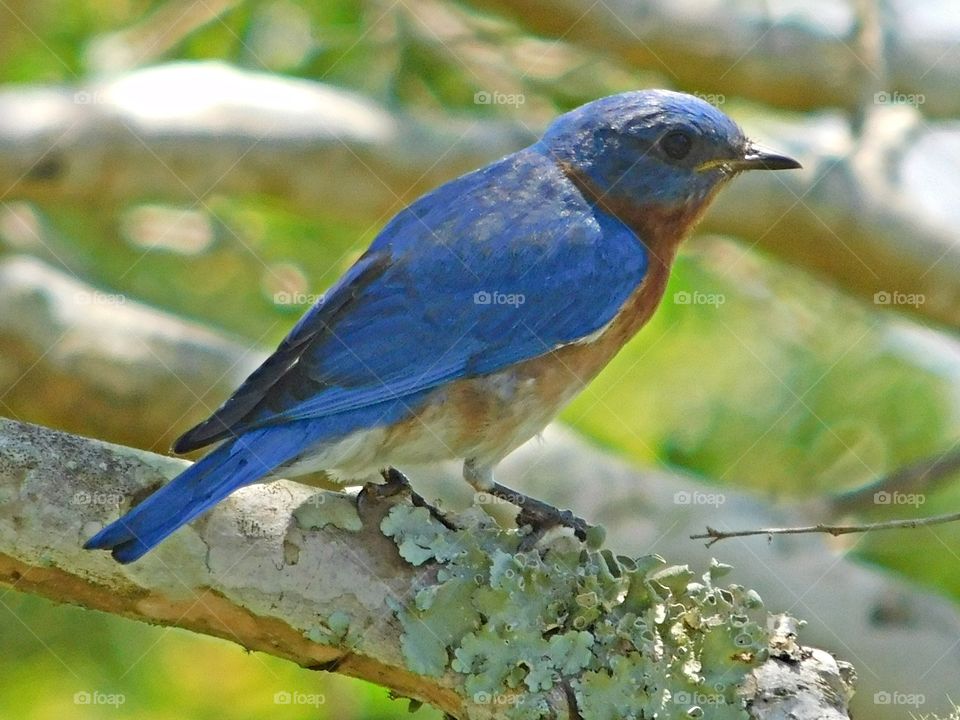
474 316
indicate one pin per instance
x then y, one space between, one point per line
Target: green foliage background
763 391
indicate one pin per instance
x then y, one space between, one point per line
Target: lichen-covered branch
373 586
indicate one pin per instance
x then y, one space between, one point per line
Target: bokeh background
170 165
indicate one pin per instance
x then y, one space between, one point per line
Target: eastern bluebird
476 313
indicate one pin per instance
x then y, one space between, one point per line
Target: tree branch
372 587
738 48
81 359
712 535
181 132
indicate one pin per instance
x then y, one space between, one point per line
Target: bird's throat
661 228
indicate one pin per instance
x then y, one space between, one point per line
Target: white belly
440 431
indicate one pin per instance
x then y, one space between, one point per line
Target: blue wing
499 266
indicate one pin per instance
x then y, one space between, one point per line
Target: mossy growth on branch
630 637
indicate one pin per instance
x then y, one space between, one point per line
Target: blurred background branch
320 150
180 180
800 57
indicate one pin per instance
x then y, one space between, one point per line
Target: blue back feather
410 315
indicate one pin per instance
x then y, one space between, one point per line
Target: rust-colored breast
660 229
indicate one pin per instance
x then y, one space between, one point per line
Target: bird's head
654 148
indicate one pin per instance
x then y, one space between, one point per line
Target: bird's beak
755 157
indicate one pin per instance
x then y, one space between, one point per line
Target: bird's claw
394 483
540 516
542 521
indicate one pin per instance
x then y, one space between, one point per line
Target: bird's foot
394 483
539 515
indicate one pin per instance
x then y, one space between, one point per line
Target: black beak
757 157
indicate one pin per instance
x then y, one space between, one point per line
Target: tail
234 464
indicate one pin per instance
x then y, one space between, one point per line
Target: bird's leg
540 516
395 482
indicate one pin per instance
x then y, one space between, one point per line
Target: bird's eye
676 144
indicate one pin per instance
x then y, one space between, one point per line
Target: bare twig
713 535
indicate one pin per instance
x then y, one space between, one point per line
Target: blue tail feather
234 464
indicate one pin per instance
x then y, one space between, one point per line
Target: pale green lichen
633 637
418 535
328 508
335 630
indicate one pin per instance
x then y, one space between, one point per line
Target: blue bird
476 314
